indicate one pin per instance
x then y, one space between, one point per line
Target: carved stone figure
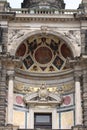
43 93
73 36
15 34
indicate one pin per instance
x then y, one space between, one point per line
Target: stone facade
43 67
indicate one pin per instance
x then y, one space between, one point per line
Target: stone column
78 107
11 63
10 97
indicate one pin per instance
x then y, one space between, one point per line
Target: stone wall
4 39
3 42
84 103
9 128
2 95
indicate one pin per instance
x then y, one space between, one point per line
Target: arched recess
44 52
18 42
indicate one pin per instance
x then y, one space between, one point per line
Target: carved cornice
9 16
81 16
9 61
43 75
47 18
77 62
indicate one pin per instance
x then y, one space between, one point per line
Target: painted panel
68 100
19 118
18 100
67 120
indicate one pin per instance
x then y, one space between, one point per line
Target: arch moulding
14 46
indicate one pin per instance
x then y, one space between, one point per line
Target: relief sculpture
43 96
73 36
15 34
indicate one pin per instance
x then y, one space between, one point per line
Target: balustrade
44 11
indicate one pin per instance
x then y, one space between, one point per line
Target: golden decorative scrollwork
25 88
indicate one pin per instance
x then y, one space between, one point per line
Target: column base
9 125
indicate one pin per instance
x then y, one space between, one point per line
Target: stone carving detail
73 36
44 29
26 89
43 93
15 34
43 96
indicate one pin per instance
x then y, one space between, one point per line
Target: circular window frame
47 64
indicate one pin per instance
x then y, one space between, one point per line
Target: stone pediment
43 97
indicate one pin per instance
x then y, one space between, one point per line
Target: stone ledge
79 127
9 127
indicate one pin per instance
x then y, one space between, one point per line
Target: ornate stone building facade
43 66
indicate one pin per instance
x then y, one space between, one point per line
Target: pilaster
10 97
7 65
11 64
4 39
83 41
78 105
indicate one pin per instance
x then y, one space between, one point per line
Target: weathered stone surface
3 97
4 39
78 127
9 127
84 103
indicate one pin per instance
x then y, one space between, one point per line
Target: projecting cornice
44 18
8 16
26 15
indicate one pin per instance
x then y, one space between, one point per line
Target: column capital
11 74
77 77
10 62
